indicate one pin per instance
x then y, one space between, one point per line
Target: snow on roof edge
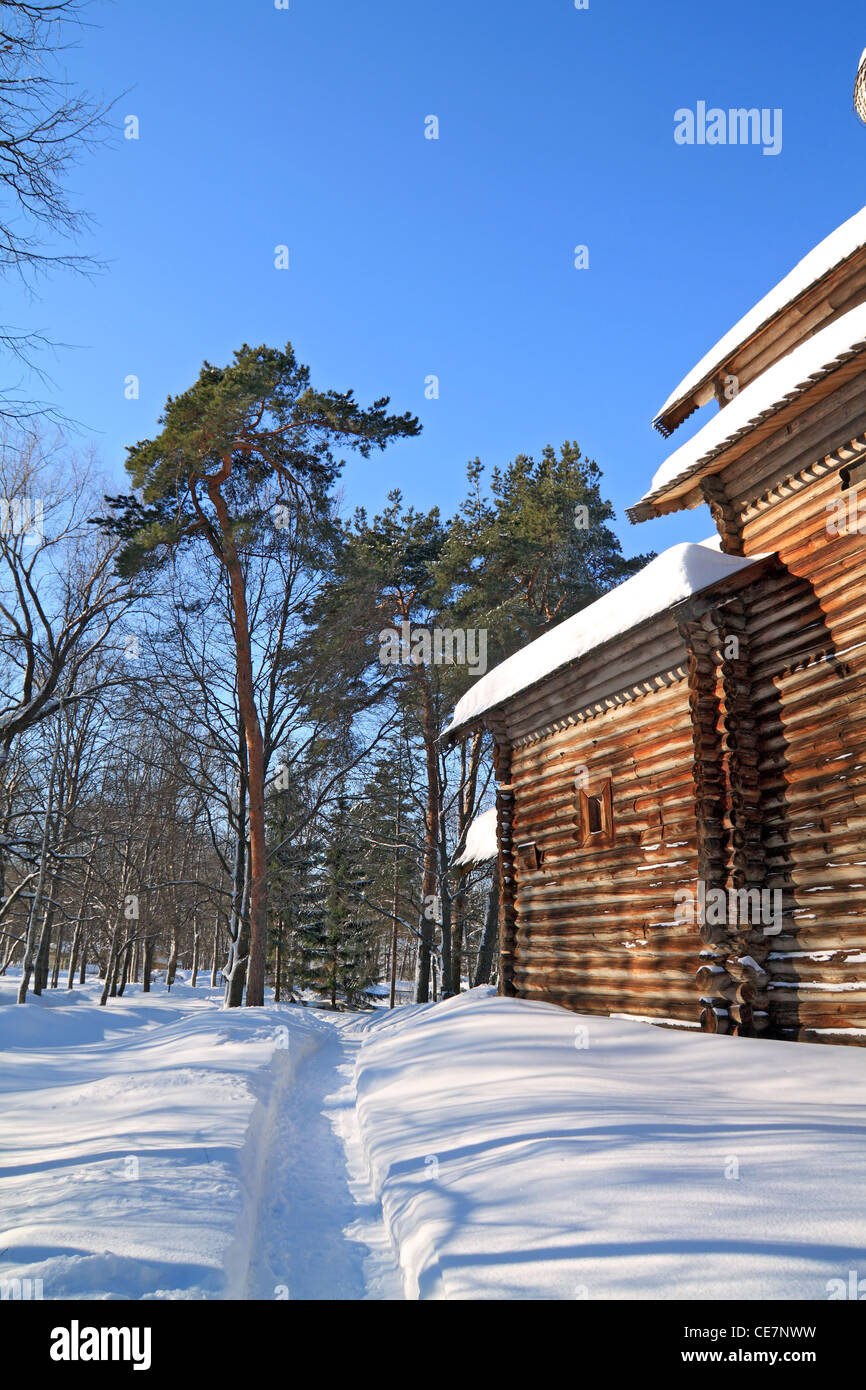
814 358
842 243
482 842
674 575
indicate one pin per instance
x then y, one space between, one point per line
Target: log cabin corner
681 784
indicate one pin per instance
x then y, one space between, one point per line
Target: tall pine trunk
431 842
255 754
255 765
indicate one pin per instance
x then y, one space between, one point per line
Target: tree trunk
431 843
255 750
470 763
215 952
279 965
108 981
171 967
73 955
457 944
114 972
487 949
43 954
30 954
235 971
195 947
7 959
126 952
395 903
58 951
146 964
79 934
240 947
290 979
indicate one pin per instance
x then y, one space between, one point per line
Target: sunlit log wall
743 769
807 629
595 924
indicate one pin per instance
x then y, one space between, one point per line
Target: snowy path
165 1148
318 1230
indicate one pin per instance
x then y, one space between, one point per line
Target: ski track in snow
318 1229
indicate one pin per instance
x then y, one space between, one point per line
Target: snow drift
521 1151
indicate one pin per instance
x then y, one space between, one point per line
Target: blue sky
412 257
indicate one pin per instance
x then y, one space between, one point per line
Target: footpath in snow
162 1147
314 1230
481 1148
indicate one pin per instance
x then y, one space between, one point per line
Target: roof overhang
811 372
741 572
822 286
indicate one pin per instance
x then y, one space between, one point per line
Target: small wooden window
596 814
530 856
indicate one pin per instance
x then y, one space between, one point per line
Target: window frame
601 793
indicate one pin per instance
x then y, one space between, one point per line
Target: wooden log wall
733 977
709 775
505 867
740 765
595 925
807 639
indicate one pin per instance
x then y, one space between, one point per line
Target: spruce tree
336 929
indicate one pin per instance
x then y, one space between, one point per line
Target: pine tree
536 550
243 441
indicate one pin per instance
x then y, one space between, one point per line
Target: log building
681 781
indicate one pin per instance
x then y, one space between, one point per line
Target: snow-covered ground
163 1147
525 1152
479 1148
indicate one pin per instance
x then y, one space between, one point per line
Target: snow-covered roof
815 358
481 840
674 575
839 246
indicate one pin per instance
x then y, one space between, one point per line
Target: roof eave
684 403
680 493
484 718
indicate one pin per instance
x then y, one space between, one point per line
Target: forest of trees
172 654
207 760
